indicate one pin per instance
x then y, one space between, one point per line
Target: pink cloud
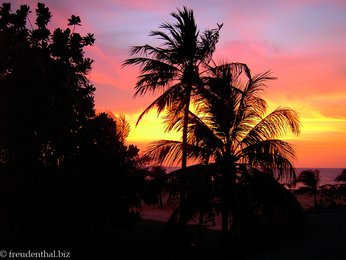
310 73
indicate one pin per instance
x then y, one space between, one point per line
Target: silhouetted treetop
55 152
173 68
233 139
45 95
74 20
342 176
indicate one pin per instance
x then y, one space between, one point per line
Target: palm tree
341 187
341 177
173 68
311 180
231 132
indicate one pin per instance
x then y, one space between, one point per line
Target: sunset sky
303 43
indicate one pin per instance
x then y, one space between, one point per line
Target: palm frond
272 154
162 102
123 127
155 74
251 95
277 123
251 108
341 177
202 135
164 150
309 178
173 120
168 42
207 44
260 79
169 151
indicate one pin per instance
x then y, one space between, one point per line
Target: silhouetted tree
45 99
106 168
311 179
156 185
231 132
341 177
66 174
45 95
173 68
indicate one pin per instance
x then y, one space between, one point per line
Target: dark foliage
45 95
174 68
66 176
310 179
341 177
229 134
156 180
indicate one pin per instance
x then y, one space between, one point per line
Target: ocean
327 175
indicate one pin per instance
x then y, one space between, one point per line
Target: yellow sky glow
149 129
321 138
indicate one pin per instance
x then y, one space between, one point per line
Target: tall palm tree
231 130
172 69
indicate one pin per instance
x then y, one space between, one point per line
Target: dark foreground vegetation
68 181
322 238
66 176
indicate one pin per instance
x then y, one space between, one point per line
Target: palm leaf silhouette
172 69
231 131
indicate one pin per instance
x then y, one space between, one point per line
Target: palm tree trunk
224 207
224 227
229 193
200 229
315 199
160 200
234 201
182 178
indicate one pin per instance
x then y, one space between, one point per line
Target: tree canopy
45 94
173 68
63 167
235 140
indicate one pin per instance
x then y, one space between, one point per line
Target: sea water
327 175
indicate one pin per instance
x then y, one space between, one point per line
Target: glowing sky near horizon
303 43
